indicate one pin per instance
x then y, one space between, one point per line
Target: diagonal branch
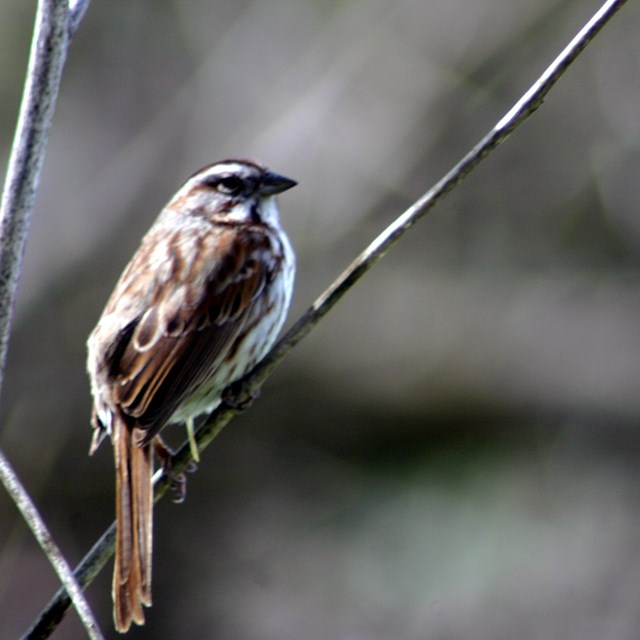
52 551
524 107
243 390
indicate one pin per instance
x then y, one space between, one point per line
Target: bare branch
242 391
46 61
56 21
77 9
36 524
530 101
89 567
48 53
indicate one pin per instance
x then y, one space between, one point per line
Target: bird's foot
177 481
236 398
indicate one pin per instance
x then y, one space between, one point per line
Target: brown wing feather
175 346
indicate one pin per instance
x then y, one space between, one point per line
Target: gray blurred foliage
453 452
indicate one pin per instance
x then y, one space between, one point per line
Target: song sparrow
200 303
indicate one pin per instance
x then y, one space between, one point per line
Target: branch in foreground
36 524
47 57
243 390
46 60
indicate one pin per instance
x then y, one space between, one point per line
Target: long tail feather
134 530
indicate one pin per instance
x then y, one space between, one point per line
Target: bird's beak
273 183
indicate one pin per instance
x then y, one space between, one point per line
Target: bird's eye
231 185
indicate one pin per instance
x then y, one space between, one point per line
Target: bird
200 303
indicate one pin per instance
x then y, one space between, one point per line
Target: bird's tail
134 527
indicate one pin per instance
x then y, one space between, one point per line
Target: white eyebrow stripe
228 167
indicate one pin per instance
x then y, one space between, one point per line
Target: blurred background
453 453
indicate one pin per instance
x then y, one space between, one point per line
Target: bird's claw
231 394
177 481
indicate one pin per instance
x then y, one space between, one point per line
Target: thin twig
47 57
530 101
77 9
46 61
89 567
246 388
36 524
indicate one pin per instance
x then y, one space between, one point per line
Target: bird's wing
180 339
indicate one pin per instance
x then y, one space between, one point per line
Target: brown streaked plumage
200 303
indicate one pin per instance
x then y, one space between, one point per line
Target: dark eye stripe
231 185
